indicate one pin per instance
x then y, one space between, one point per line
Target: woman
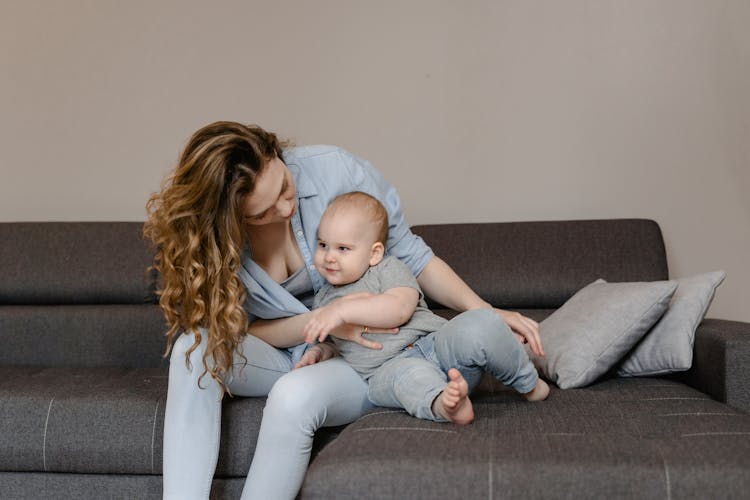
235 230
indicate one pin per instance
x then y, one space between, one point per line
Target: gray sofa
83 383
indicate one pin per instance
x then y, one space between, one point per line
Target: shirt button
300 233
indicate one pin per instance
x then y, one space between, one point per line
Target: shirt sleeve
393 273
402 243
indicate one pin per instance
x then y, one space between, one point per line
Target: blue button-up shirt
321 173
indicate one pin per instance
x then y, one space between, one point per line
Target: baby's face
345 246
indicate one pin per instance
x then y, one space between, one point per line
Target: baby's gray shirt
389 273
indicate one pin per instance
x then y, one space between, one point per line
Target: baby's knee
488 325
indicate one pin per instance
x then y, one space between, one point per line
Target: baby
364 286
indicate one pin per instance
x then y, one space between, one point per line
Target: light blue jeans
299 402
473 342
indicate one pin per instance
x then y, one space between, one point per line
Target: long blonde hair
196 226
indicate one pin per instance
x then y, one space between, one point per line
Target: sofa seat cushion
623 438
104 420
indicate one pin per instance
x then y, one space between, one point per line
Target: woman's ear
377 252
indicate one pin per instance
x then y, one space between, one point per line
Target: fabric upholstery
33 486
623 438
668 346
721 362
542 264
591 332
104 420
75 263
83 335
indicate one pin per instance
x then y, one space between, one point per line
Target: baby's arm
389 309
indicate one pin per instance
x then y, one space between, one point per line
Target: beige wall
476 110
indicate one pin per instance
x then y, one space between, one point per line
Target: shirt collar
305 187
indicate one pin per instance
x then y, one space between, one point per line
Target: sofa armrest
721 362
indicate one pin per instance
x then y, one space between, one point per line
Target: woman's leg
479 340
325 394
193 415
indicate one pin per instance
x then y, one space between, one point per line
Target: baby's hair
373 207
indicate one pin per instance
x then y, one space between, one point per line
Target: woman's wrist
480 304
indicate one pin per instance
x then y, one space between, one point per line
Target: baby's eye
344 249
321 245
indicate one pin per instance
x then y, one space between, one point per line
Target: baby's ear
377 252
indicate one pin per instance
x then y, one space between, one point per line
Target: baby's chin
336 278
329 276
336 281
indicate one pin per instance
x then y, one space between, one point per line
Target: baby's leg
453 403
414 384
539 392
481 340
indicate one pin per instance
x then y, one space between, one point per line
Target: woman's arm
282 332
389 309
439 281
288 332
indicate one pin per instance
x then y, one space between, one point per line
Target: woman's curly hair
197 228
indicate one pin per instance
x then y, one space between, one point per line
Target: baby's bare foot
538 393
454 403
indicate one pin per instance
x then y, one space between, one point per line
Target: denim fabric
473 342
299 402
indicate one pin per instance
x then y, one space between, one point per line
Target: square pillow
596 327
668 347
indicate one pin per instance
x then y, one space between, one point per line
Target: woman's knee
328 393
185 342
292 400
187 354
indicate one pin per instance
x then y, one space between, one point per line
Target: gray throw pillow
668 347
591 332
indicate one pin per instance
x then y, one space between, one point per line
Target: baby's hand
310 357
321 322
316 354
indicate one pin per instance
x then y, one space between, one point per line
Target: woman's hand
354 333
316 354
525 328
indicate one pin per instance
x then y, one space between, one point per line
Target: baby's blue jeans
473 342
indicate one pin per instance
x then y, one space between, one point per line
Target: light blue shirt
321 173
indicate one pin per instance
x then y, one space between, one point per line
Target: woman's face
274 198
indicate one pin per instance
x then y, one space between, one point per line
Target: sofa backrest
75 263
78 294
527 265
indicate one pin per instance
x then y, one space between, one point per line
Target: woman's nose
284 208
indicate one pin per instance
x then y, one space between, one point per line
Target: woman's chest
280 262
